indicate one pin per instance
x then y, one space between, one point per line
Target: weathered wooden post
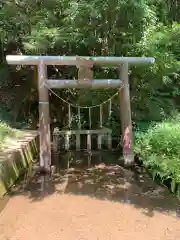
44 120
68 134
100 125
55 150
67 142
89 141
89 159
109 140
78 135
126 123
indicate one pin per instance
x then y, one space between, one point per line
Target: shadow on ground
101 176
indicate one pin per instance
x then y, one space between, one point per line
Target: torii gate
85 80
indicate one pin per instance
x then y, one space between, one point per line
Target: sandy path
78 213
79 217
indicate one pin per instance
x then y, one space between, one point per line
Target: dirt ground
99 203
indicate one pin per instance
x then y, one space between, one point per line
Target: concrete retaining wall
15 160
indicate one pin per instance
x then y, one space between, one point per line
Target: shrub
5 131
159 150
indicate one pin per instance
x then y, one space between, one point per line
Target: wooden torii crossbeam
85 80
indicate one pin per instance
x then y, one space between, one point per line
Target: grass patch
6 132
158 148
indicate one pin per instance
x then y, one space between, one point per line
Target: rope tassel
90 119
101 115
110 108
69 116
79 117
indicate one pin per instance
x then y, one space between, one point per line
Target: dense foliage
159 150
109 27
7 131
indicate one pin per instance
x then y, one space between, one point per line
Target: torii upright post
126 123
44 120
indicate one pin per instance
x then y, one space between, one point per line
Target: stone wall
15 159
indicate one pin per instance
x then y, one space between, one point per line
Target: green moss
2 189
16 164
